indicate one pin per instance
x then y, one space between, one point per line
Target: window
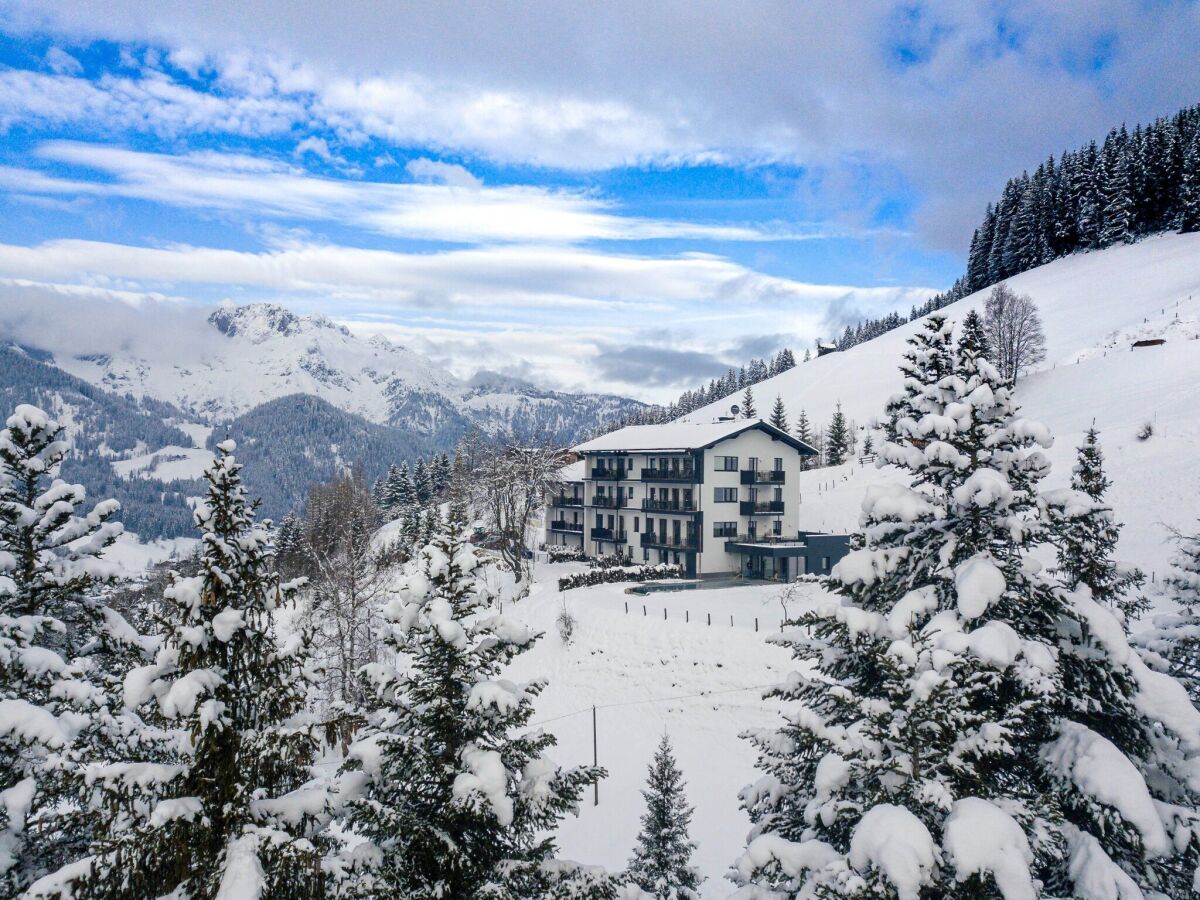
724 529
777 527
726 463
825 563
779 464
637 524
725 495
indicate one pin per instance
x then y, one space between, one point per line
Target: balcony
761 507
603 473
610 534
775 476
609 501
572 527
669 506
683 473
670 541
563 501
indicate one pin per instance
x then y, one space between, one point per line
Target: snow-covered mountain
220 366
1094 306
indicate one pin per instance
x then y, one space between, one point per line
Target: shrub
1145 431
566 624
622 573
612 561
556 553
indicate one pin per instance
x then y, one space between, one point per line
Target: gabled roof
681 436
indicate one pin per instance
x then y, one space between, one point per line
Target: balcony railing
565 501
764 539
761 507
610 501
610 534
605 473
775 476
670 541
654 473
651 504
573 527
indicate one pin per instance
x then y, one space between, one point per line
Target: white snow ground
701 684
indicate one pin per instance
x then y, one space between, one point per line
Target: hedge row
624 573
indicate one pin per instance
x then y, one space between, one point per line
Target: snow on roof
675 436
573 471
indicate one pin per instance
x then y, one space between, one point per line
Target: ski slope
1093 306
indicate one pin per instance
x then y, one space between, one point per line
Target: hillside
1093 306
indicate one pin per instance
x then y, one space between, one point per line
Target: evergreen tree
289 544
459 488
401 496
779 414
804 435
946 706
926 361
1118 198
209 800
837 439
422 484
48 559
748 410
1086 534
1189 188
455 797
661 863
1173 644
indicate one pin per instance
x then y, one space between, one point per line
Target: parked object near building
715 498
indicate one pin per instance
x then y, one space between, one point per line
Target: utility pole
595 759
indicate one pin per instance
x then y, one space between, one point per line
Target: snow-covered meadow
700 684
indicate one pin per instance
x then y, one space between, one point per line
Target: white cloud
446 211
557 309
317 146
441 173
60 61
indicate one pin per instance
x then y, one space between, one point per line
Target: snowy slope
1093 306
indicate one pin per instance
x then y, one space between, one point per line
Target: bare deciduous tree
348 580
510 484
1014 331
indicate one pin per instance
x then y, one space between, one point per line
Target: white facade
677 493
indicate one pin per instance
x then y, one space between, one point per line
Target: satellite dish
734 410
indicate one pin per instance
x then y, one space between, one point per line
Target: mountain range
153 389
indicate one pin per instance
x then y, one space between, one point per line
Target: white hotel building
713 498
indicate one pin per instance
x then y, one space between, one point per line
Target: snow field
644 675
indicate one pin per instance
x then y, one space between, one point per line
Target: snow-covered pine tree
927 359
940 751
1172 645
49 556
289 543
449 788
837 438
422 484
1189 186
209 800
661 863
805 435
400 494
459 489
748 410
1086 534
779 414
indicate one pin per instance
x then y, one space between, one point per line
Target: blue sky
597 196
